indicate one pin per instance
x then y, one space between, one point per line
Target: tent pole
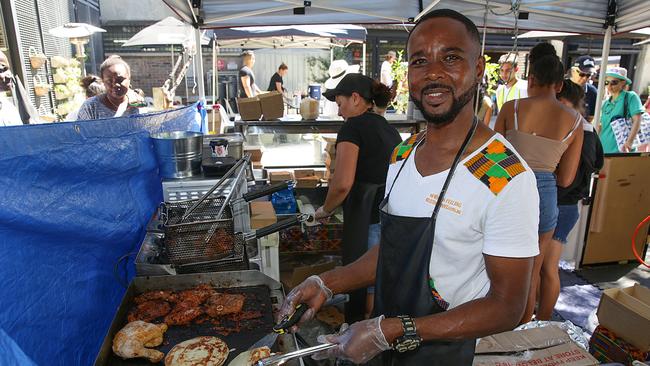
331 54
215 75
363 59
199 65
601 77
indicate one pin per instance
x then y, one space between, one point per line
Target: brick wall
149 72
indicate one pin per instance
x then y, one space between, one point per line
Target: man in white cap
337 70
386 75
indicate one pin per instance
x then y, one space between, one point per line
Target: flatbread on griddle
199 351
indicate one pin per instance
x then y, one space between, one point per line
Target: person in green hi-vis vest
621 103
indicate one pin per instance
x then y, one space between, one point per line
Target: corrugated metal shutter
32 34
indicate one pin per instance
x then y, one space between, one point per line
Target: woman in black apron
364 145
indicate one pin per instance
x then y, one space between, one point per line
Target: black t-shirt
376 140
276 78
246 71
590 100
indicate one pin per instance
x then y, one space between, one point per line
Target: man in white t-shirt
458 224
512 87
386 72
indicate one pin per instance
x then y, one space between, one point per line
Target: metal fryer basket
171 213
202 241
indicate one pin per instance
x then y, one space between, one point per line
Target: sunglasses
585 74
611 82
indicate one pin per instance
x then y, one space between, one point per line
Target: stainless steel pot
179 153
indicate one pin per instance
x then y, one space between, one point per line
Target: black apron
357 213
402 282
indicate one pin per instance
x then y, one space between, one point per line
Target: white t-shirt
9 115
506 94
491 207
385 75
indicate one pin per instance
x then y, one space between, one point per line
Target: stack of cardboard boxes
270 105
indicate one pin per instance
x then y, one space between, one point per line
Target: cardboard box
307 182
280 176
303 173
299 274
262 214
256 152
626 312
250 109
272 105
547 346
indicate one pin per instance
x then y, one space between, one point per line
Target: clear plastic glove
359 343
322 216
312 292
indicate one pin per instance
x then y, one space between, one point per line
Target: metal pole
331 54
199 65
601 77
363 59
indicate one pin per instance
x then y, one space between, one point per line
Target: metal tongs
281 359
207 194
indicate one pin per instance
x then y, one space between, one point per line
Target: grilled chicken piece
222 304
196 295
183 314
168 296
132 340
150 310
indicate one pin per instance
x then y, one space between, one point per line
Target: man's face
507 72
117 81
580 77
5 73
444 68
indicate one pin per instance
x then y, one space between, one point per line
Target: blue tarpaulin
74 198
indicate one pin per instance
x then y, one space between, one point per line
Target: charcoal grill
262 292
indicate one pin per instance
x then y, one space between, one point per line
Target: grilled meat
150 310
196 295
222 304
168 296
220 244
183 314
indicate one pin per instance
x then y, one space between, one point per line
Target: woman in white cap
620 104
364 145
337 70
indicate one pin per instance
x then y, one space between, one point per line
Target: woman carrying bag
620 119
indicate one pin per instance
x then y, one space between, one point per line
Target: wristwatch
410 340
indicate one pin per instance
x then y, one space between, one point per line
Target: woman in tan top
542 130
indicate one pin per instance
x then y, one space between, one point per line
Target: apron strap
452 169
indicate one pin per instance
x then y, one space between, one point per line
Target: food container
235 143
179 153
309 108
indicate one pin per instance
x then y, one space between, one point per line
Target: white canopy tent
604 17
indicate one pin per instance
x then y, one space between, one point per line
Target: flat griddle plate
257 299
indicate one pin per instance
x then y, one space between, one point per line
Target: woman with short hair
116 77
